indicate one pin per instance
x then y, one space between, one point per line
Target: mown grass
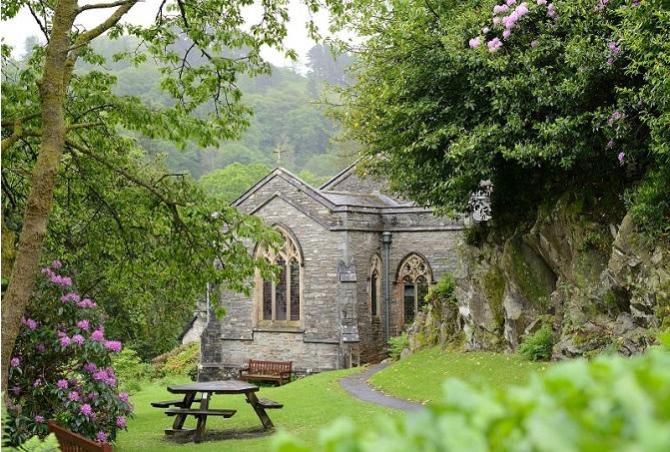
419 377
309 404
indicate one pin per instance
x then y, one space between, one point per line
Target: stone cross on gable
278 150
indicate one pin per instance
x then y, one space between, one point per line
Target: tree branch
102 5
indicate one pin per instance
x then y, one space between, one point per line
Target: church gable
349 181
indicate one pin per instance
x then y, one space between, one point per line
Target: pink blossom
494 44
100 375
78 339
90 367
15 361
614 48
37 383
16 390
40 347
610 144
84 325
601 5
610 61
621 158
507 33
62 384
522 10
30 324
121 422
101 437
63 281
551 11
86 303
511 2
39 419
64 341
98 335
114 346
499 9
123 396
496 20
86 410
56 264
73 396
541 2
617 115
71 296
474 42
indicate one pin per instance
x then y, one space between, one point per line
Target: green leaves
612 402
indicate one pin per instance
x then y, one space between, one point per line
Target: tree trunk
53 88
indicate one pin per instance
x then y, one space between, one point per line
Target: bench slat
197 412
169 403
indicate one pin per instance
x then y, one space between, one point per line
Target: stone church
355 265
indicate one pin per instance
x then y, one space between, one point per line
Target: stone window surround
413 266
375 270
290 250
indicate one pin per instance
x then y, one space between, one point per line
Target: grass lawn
309 404
419 377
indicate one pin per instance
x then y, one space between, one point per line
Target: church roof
328 194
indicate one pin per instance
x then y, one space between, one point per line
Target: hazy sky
14 32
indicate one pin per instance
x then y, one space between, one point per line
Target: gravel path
358 386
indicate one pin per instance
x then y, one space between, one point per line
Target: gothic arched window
375 288
280 299
414 276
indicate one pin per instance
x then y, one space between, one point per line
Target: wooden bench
73 442
277 371
200 412
168 403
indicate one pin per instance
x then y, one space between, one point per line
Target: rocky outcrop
583 270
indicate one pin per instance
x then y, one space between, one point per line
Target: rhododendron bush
537 96
61 366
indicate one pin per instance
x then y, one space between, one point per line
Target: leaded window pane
267 300
295 289
280 292
373 295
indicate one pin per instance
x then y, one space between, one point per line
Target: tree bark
53 88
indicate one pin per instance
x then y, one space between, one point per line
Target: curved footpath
358 386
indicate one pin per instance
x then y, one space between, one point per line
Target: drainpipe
386 255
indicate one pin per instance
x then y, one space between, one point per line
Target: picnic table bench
181 409
277 371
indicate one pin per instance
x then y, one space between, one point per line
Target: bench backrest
72 442
269 367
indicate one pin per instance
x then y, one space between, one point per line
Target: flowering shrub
61 367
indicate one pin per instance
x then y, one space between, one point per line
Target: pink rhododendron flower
98 336
39 419
610 61
551 11
64 341
56 264
37 383
78 339
73 396
62 384
621 157
541 2
15 362
72 296
522 10
499 9
475 42
123 396
507 33
511 2
40 347
101 437
114 346
86 410
610 144
86 303
601 5
90 367
84 325
494 44
121 422
614 48
29 323
496 20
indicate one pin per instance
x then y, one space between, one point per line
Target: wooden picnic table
183 408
